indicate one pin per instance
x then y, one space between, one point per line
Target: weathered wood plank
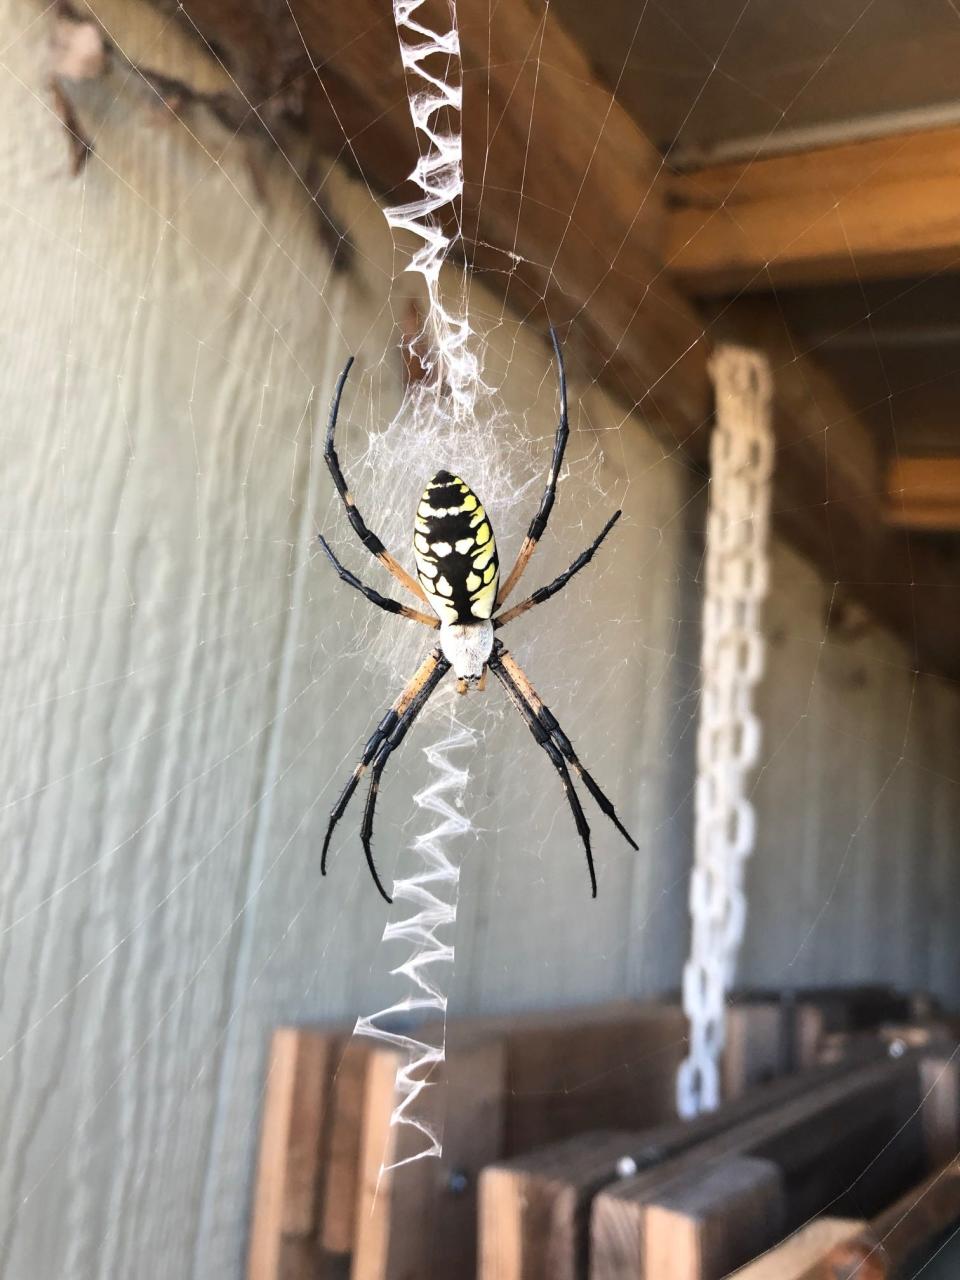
754 1045
940 1086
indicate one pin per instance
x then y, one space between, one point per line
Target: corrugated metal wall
184 686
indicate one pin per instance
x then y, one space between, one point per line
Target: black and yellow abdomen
455 551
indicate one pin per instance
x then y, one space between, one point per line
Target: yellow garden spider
459 574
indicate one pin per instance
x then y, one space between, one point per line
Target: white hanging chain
728 740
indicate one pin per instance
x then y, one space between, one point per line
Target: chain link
728 740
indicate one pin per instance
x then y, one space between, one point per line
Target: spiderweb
186 685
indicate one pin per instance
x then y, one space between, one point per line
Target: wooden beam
753 1049
885 207
294 1116
793 1259
565 216
713 1219
611 1067
830 499
342 1172
940 1085
562 212
895 1237
924 493
419 1219
861 1130
534 1208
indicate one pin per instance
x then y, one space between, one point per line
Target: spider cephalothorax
459 573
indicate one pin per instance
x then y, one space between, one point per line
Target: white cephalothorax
467 647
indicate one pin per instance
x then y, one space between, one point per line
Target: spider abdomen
456 552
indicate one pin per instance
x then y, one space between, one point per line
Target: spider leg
382 602
549 725
366 536
384 751
539 521
391 730
544 593
544 739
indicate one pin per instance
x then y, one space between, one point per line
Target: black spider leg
539 522
386 726
384 751
544 739
366 536
544 593
549 721
403 712
382 602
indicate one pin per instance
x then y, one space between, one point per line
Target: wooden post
419 1219
713 1219
342 1171
288 1170
533 1209
940 1087
753 1051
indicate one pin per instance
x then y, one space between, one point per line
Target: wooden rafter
541 135
924 493
880 208
566 215
830 500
